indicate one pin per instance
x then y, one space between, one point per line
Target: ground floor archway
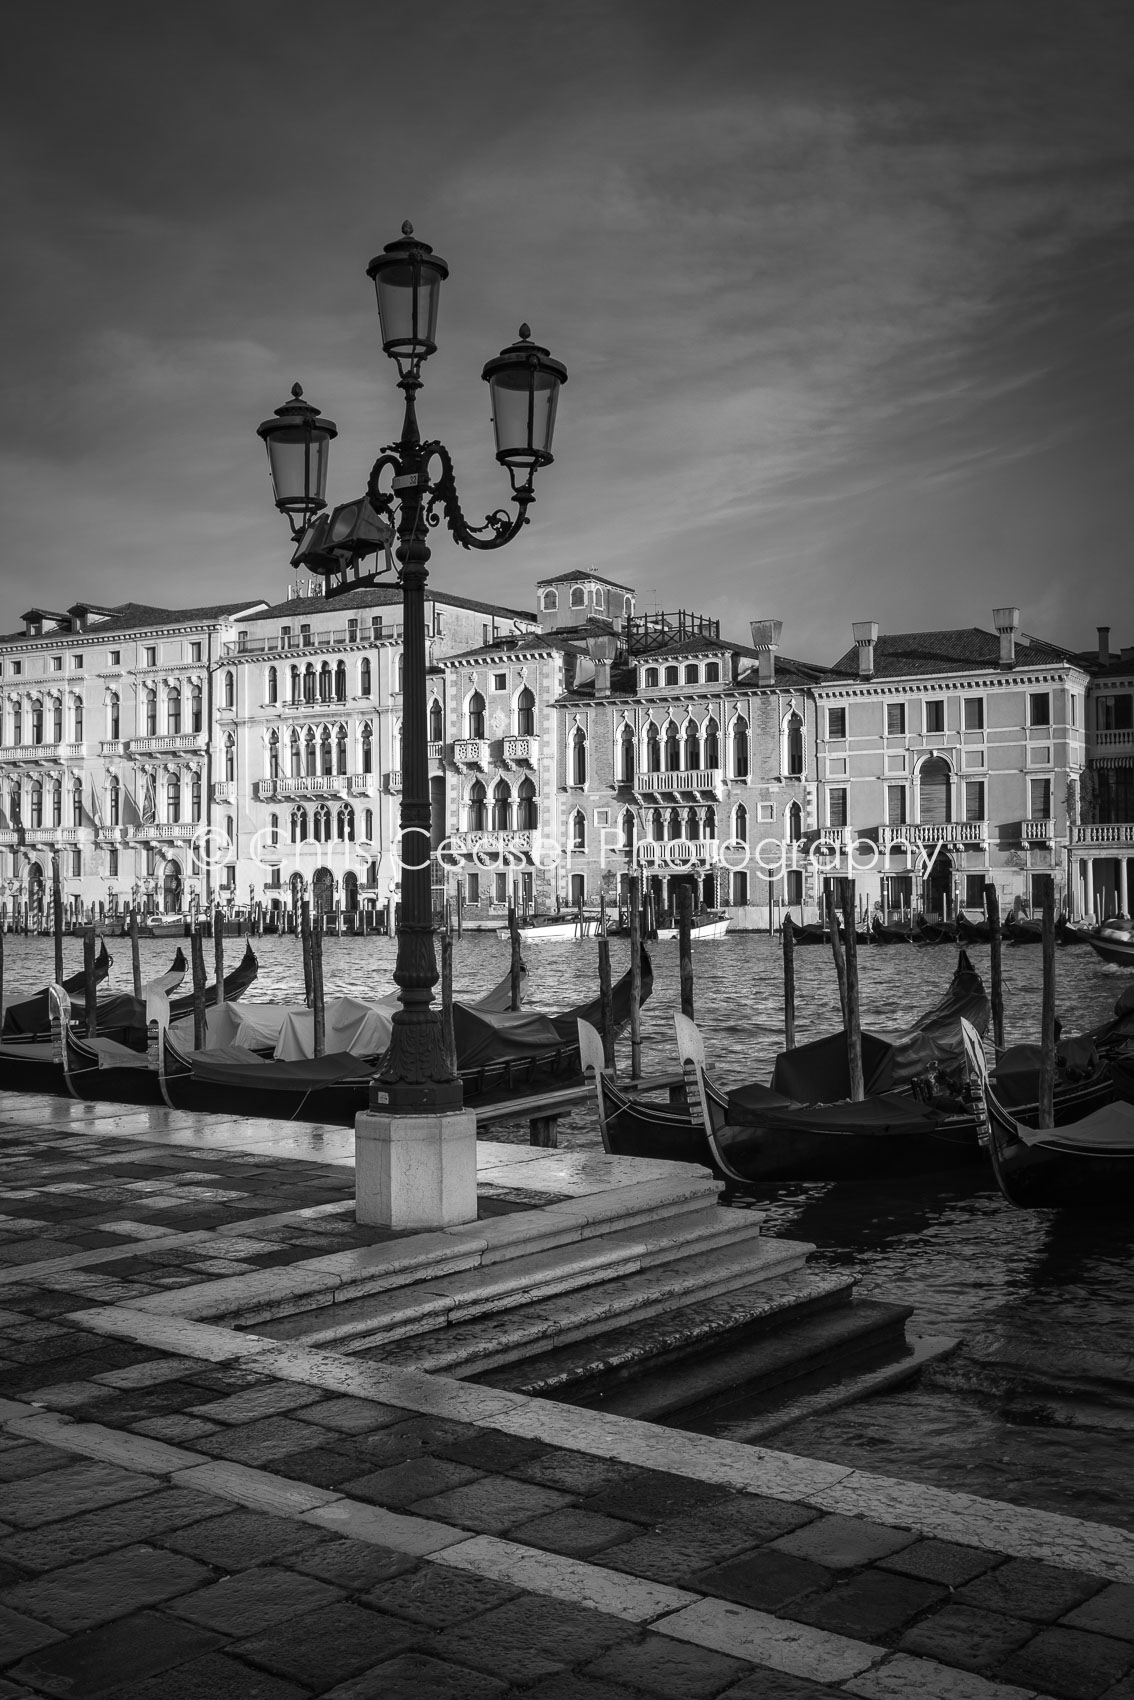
322 892
171 888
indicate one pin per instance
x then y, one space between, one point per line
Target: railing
31 752
471 752
113 834
1121 740
1037 831
9 835
165 831
673 851
224 790
469 843
170 741
311 785
333 639
692 779
966 833
112 747
53 834
522 750
72 752
1116 832
435 750
361 784
394 779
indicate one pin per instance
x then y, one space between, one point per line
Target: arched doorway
322 892
939 886
935 792
35 889
350 893
171 888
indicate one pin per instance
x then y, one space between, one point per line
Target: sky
845 289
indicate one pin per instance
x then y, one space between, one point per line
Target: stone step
450 1300
318 1283
472 1347
756 1371
669 1342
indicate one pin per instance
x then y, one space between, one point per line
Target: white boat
556 929
1114 942
713 927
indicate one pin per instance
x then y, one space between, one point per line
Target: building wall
157 770
1011 783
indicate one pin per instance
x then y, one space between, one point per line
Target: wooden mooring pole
197 960
685 948
90 982
788 933
318 1006
1046 1116
218 953
606 996
828 906
305 939
635 977
853 1022
57 916
135 952
447 1028
515 964
995 965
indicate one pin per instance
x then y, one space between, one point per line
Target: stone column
1089 888
1123 893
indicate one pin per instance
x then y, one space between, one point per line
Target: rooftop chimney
602 648
766 641
1007 623
1104 646
865 636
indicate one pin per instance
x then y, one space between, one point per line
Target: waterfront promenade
193 1511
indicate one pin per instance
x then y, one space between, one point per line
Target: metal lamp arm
501 525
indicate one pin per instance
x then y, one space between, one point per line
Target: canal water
1037 1404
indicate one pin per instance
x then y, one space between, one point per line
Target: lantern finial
297 390
525 333
407 227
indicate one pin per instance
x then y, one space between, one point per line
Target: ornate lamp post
411 489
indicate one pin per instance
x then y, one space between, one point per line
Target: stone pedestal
415 1172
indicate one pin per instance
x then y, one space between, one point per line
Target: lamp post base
415 1172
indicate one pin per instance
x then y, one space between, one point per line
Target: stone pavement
193 1511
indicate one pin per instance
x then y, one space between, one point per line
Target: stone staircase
649 1300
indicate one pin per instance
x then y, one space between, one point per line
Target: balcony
308 785
32 752
1098 836
686 783
361 784
435 750
112 747
521 751
170 742
53 834
394 779
334 639
9 835
113 834
165 832
224 790
1118 740
471 752
1037 831
490 843
960 834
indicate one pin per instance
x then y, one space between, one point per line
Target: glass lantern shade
524 382
407 277
298 442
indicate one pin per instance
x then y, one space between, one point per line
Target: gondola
1024 931
29 1022
883 932
818 932
934 932
1114 942
498 1053
1085 1164
1066 932
107 1069
809 1129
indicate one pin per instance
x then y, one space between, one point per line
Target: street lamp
412 486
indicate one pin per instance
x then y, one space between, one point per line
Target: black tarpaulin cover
819 1073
